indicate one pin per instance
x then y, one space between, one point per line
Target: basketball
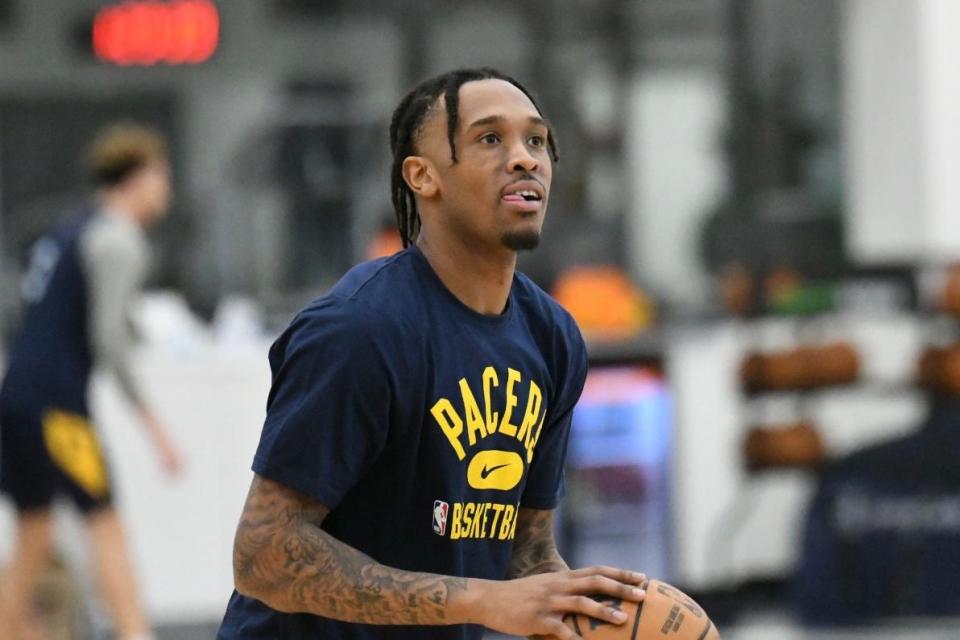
666 612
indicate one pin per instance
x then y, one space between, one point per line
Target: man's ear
420 175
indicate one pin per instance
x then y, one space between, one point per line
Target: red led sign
148 32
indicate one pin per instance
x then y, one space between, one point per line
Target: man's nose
521 159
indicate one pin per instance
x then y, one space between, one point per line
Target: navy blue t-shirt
421 424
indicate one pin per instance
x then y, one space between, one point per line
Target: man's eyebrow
482 122
497 119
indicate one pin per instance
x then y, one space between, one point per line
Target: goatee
521 240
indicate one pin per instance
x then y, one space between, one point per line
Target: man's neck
480 280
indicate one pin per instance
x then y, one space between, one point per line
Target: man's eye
537 141
490 138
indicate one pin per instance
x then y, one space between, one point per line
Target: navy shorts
47 452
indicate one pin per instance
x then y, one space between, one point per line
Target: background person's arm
115 264
283 558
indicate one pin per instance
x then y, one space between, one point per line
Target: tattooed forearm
534 549
282 557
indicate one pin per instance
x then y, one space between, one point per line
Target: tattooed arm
283 558
534 549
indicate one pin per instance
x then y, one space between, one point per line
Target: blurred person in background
83 278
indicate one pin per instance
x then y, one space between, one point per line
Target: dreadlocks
405 127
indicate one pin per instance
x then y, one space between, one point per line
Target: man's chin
521 240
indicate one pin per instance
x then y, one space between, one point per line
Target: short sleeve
328 412
544 487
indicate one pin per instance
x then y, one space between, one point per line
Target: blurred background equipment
604 302
146 32
796 445
881 537
619 496
753 220
807 367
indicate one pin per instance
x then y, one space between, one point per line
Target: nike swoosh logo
486 471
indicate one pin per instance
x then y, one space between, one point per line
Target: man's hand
537 604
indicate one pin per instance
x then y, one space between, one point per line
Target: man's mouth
523 196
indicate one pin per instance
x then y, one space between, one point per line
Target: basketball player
82 280
416 430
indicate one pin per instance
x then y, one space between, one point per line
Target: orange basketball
665 614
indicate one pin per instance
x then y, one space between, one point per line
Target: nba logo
440 509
